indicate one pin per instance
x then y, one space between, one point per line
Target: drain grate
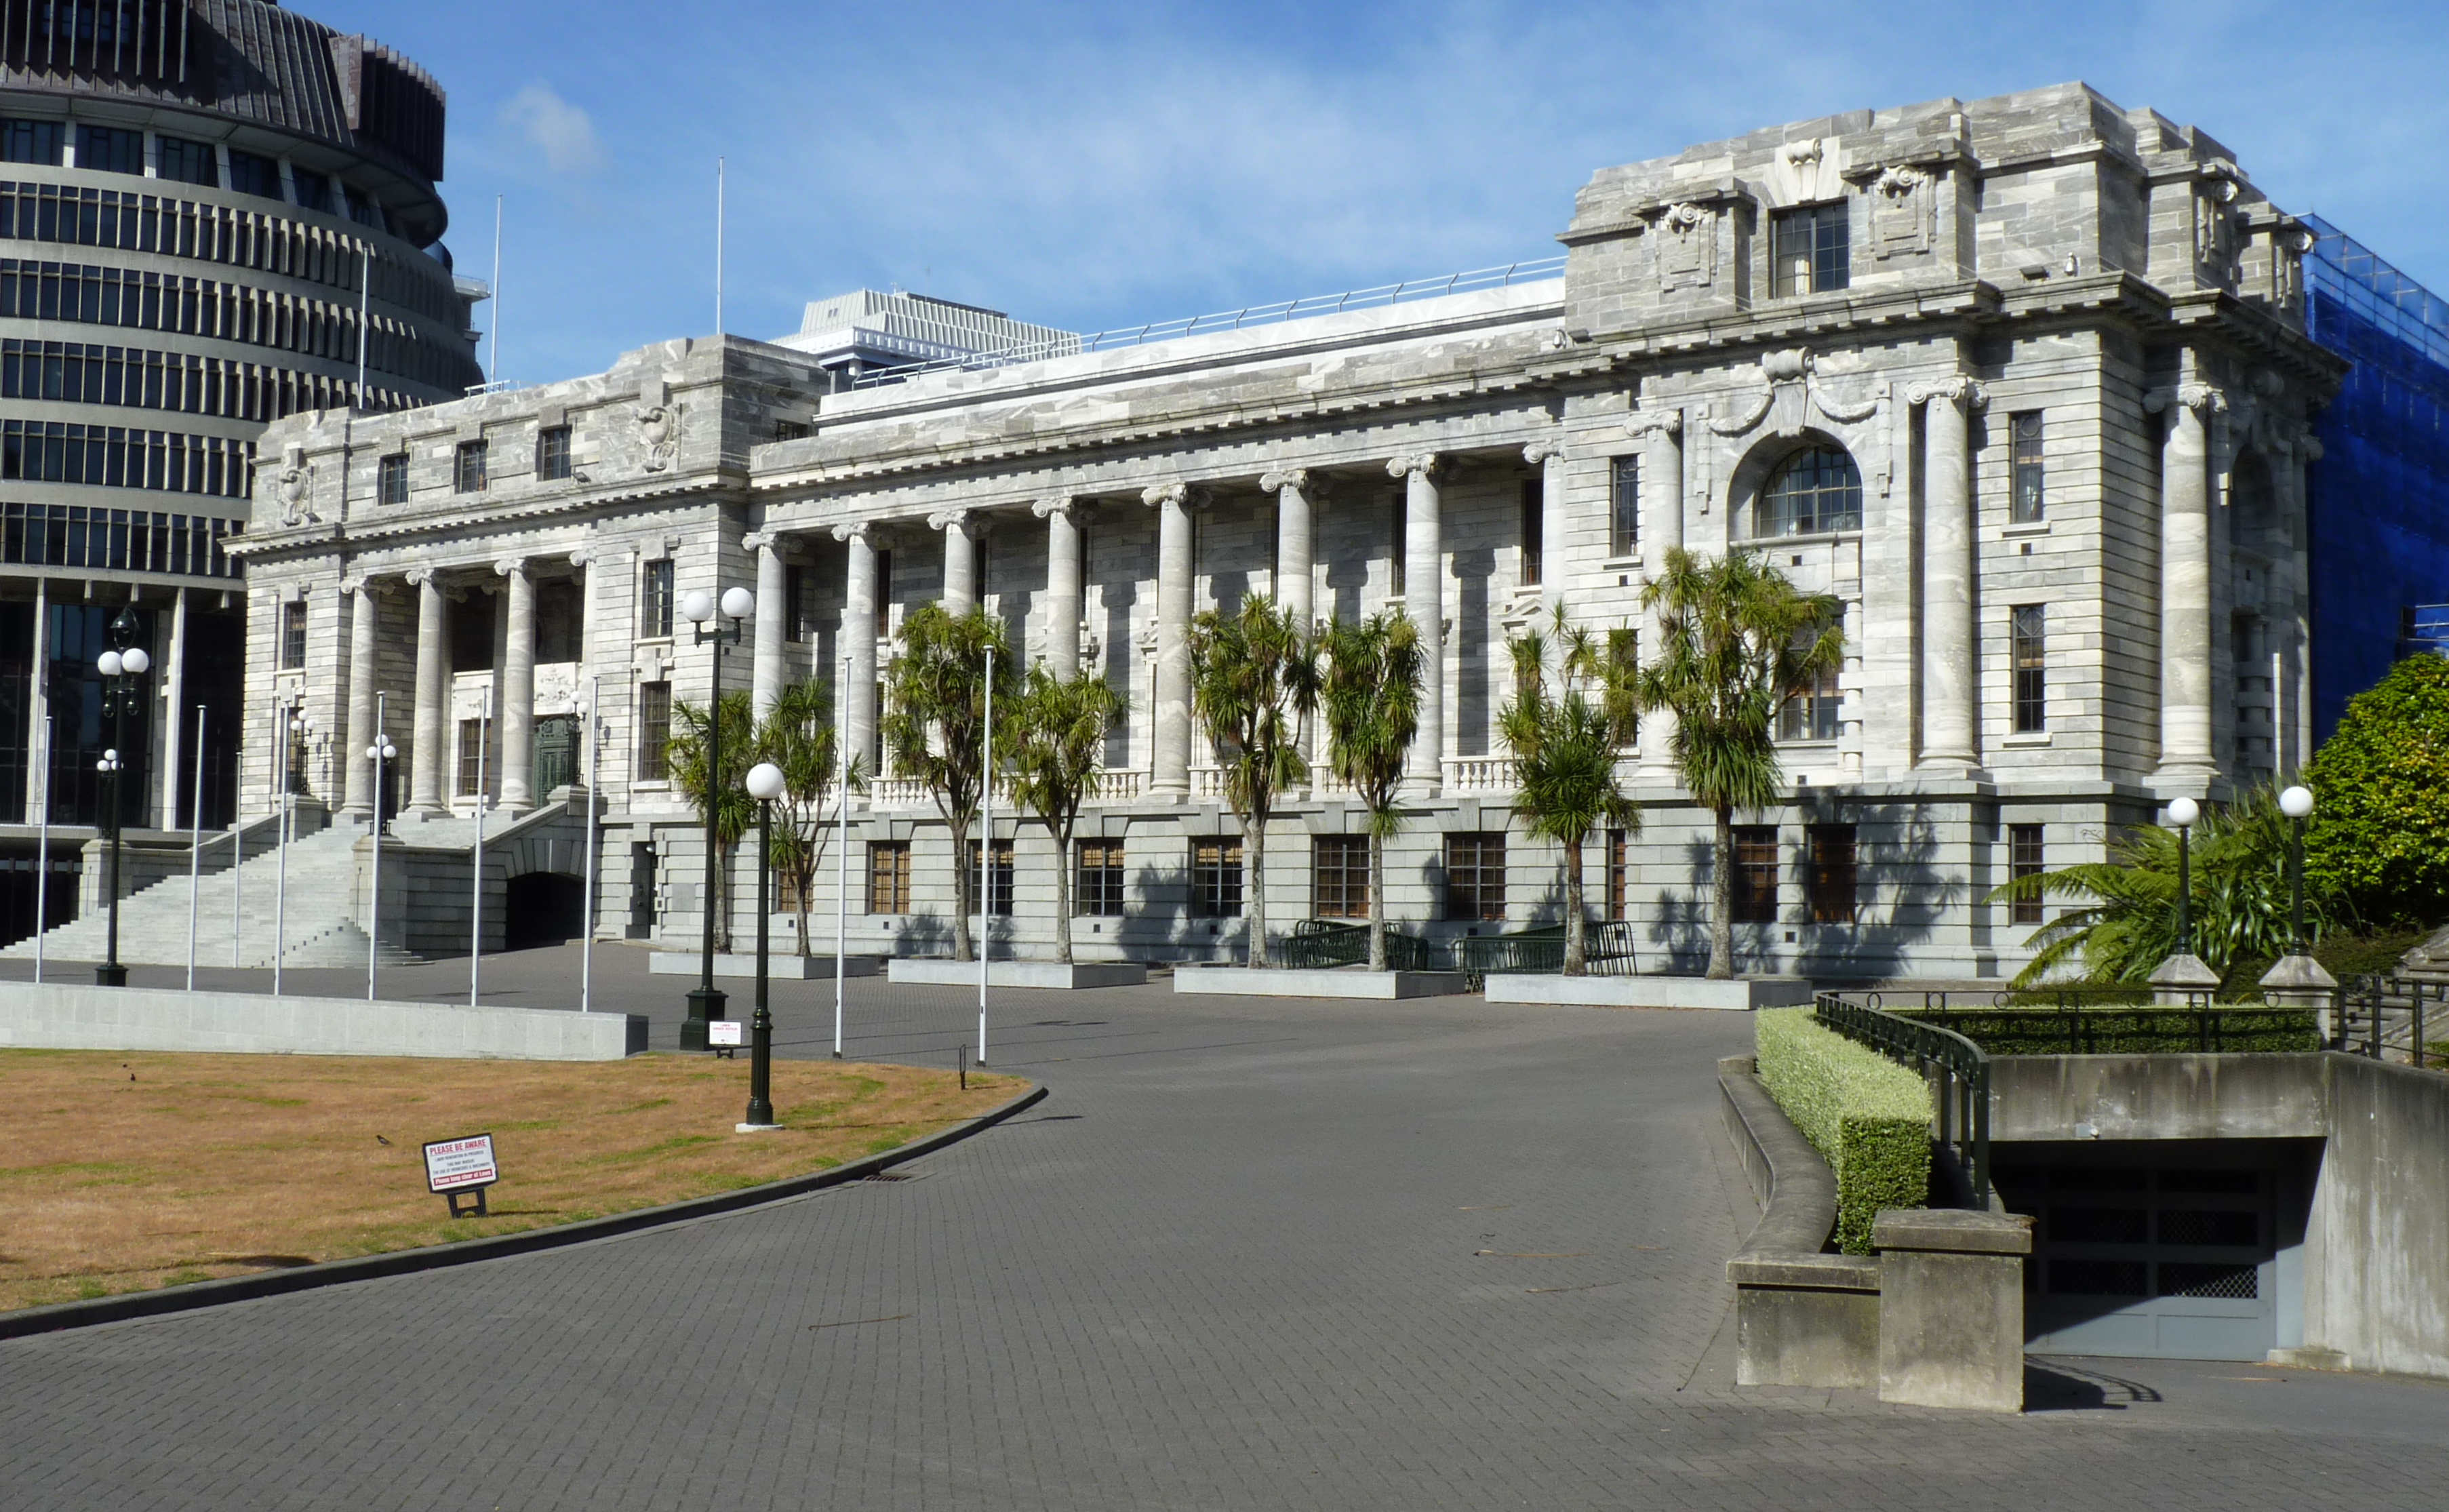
891 1176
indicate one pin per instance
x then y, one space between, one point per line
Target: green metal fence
1608 951
1317 944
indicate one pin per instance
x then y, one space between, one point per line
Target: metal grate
2188 1278
2098 1278
2098 1225
2240 1230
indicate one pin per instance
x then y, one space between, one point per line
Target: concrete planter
1046 974
779 965
1244 981
53 1016
1652 991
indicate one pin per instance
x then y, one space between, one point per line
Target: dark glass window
106 149
1099 892
552 453
468 468
1339 881
1398 531
1216 877
790 430
1816 711
2030 654
472 756
2024 858
998 877
472 633
293 635
1755 875
187 162
251 173
1534 532
33 141
363 208
1623 505
1817 489
655 739
1810 250
655 599
314 189
1475 876
558 621
1619 877
888 877
390 479
2030 502
1832 874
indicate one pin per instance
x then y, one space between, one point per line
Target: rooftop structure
863 331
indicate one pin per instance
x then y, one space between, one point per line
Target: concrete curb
165 1300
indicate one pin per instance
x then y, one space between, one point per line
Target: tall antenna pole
718 247
493 339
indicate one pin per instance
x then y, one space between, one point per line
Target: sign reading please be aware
454 1165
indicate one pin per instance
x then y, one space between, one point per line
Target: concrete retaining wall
53 1016
1044 974
2377 1249
1650 992
1242 981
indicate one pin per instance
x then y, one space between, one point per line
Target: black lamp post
698 606
123 670
2297 803
2182 813
764 785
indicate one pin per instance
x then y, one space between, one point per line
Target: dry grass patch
122 1172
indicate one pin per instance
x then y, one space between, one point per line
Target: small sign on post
722 1037
459 1170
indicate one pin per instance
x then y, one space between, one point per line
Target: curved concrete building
213 214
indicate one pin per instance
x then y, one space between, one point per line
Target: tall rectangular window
1099 889
1755 874
655 600
2024 858
33 141
2030 657
468 468
252 173
888 877
1398 531
560 620
1619 876
999 862
390 479
472 756
2030 502
312 189
798 617
1832 874
1339 877
1810 250
471 631
187 162
108 149
1475 876
293 635
654 732
1216 877
1816 711
1533 531
1623 505
552 453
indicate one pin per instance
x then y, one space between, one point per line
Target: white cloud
559 131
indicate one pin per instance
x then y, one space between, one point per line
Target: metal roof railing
1281 310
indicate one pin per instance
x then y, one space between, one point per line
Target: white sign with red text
722 1032
454 1165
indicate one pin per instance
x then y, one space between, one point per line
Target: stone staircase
318 919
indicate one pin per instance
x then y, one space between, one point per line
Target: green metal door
556 753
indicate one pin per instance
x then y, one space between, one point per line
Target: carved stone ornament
1687 246
511 567
946 519
856 530
2205 400
1904 208
1640 423
1298 479
1427 464
294 485
1954 389
1182 496
658 427
419 577
1538 452
756 541
1063 504
1798 154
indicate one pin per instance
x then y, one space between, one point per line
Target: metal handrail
1963 1068
1609 949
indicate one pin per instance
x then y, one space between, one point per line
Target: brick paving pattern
1234 1261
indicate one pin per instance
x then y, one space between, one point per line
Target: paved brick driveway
1235 1261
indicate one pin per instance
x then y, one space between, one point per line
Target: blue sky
1095 166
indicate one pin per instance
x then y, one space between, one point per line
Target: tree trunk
1063 897
1576 929
1722 898
963 880
1254 893
725 856
800 885
1377 902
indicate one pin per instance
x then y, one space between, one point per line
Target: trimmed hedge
2227 1030
1868 1115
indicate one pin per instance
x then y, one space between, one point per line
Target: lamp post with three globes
698 606
122 668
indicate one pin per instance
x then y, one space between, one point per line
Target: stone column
1660 433
1169 720
174 708
1424 600
2186 581
357 796
960 560
766 665
518 687
1950 659
2300 622
857 638
1297 491
1548 458
1062 517
432 683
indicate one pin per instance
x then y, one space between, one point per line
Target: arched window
1817 489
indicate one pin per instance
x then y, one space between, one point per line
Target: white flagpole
841 868
196 847
43 867
373 894
586 940
281 845
494 337
986 848
718 247
476 910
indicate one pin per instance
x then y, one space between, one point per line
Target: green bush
1867 1115
2119 1031
2380 831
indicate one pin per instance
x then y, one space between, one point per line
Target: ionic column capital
951 520
1538 454
861 530
1955 389
764 540
422 576
1182 496
511 567
2202 398
1427 464
1640 423
1069 505
361 582
1308 484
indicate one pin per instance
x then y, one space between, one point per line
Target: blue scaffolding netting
2379 514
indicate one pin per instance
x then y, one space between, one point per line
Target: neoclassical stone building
2022 382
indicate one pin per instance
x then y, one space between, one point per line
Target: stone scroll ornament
658 427
1901 211
1688 245
294 486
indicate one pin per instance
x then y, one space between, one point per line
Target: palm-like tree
734 809
1056 734
1253 674
798 736
935 724
1573 708
1370 697
1736 640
